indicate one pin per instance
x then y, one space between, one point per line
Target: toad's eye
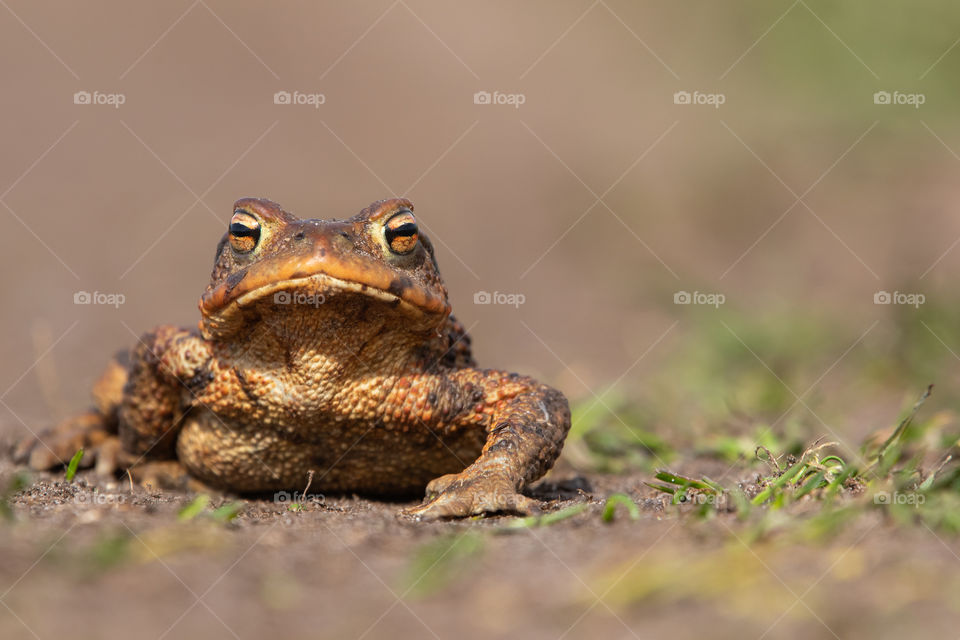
244 232
401 232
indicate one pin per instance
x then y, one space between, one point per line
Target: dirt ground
87 560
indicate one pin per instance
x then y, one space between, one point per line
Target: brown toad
324 346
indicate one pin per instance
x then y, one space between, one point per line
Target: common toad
324 346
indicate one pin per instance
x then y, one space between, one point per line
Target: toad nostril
299 236
343 241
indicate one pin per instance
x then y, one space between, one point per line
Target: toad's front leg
141 399
526 423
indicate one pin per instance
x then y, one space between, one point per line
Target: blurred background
720 218
586 185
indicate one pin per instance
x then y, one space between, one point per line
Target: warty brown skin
324 347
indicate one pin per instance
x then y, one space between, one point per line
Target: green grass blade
813 483
714 485
549 518
661 487
779 483
610 508
193 509
74 464
898 432
741 503
837 483
840 461
227 512
683 481
19 482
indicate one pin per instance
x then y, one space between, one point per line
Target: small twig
946 459
130 478
770 459
928 481
303 497
815 447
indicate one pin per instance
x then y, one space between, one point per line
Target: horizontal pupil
243 231
406 229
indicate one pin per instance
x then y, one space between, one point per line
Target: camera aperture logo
296 97
697 97
111 299
509 299
898 297
114 100
899 98
700 298
498 97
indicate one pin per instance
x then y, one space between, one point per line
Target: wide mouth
305 287
318 271
316 290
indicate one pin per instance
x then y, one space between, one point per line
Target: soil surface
94 559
